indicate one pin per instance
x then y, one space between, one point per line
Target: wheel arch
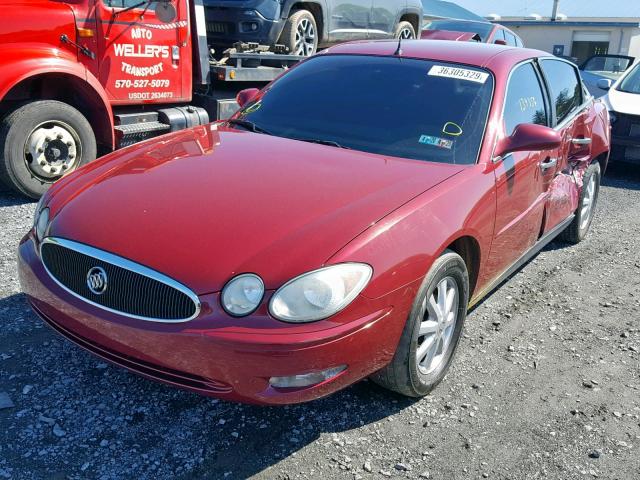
318 11
468 248
413 18
66 83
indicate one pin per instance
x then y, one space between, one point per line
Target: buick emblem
97 280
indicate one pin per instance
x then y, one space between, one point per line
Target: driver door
140 57
522 178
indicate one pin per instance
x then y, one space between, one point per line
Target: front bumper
210 355
625 138
246 21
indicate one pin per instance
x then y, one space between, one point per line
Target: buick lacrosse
338 227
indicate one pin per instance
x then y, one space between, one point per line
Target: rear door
521 177
384 14
570 112
140 57
349 19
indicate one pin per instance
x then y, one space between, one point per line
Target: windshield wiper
330 143
252 127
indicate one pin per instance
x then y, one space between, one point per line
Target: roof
595 9
443 9
494 57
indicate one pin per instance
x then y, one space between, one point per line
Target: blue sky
571 8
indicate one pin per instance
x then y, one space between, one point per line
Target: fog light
306 379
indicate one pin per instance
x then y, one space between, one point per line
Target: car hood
203 205
623 102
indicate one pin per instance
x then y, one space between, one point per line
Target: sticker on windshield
460 73
436 141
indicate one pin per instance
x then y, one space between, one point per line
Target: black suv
305 26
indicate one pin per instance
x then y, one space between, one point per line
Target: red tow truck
80 78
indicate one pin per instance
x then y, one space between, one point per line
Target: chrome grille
132 289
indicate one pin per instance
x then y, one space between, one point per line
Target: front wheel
405 31
579 227
432 331
300 33
41 142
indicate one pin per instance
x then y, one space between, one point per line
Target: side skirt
528 255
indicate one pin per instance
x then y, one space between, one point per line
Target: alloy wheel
305 38
439 314
588 202
406 34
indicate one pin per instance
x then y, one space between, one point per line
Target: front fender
29 61
402 246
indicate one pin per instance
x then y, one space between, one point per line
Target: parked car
292 259
488 32
604 66
303 27
623 102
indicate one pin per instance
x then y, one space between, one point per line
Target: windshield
631 83
394 106
482 29
609 67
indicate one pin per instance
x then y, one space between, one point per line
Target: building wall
622 40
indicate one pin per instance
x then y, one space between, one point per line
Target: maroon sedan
338 227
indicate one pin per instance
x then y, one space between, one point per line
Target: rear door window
510 38
564 85
524 101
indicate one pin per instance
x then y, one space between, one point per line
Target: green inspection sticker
436 141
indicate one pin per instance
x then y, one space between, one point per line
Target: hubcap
588 202
51 150
439 314
305 38
406 34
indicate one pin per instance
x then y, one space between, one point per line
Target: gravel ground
546 384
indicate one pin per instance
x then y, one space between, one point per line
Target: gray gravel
546 384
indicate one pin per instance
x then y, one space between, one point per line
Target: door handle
548 163
581 141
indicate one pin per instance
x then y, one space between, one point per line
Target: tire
405 29
301 25
404 374
579 227
43 131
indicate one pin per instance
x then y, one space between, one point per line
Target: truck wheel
578 228
300 33
405 31
41 142
432 331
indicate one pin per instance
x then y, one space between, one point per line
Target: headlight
36 214
319 294
41 220
242 294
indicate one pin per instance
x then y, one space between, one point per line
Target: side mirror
604 83
528 137
165 11
245 96
500 42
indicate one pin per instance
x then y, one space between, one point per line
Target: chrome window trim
543 89
127 265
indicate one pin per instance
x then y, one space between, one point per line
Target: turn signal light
306 379
85 32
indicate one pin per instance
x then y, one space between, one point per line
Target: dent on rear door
572 157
